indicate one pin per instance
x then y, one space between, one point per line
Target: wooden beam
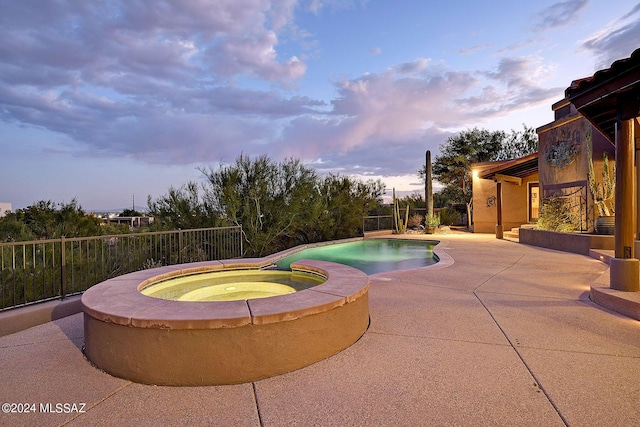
506 178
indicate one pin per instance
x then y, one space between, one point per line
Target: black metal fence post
63 269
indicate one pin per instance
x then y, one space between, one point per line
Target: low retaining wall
19 319
567 242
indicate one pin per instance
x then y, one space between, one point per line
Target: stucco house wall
563 158
515 207
562 171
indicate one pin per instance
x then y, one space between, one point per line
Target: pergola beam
507 178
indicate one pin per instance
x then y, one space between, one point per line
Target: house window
534 201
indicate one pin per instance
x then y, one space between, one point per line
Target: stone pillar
499 227
624 273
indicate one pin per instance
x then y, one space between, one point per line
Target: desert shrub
558 215
449 216
432 221
415 221
285 204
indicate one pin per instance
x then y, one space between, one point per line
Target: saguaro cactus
428 185
400 224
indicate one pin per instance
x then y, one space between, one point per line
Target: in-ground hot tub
171 342
231 285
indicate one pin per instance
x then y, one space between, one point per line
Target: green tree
452 167
14 230
345 202
281 205
273 202
48 220
129 213
278 204
39 218
442 198
415 201
518 144
182 208
72 221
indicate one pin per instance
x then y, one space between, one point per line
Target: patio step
514 233
510 235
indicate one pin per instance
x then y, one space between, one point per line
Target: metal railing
574 196
377 223
42 270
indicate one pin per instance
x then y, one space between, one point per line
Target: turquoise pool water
371 255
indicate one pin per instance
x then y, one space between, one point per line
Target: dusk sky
100 100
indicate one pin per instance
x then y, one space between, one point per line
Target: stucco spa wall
187 343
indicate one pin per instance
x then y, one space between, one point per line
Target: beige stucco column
624 273
636 135
499 227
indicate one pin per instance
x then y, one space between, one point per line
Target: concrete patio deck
498 333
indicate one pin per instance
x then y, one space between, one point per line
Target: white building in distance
4 208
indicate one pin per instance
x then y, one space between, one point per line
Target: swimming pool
371 255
